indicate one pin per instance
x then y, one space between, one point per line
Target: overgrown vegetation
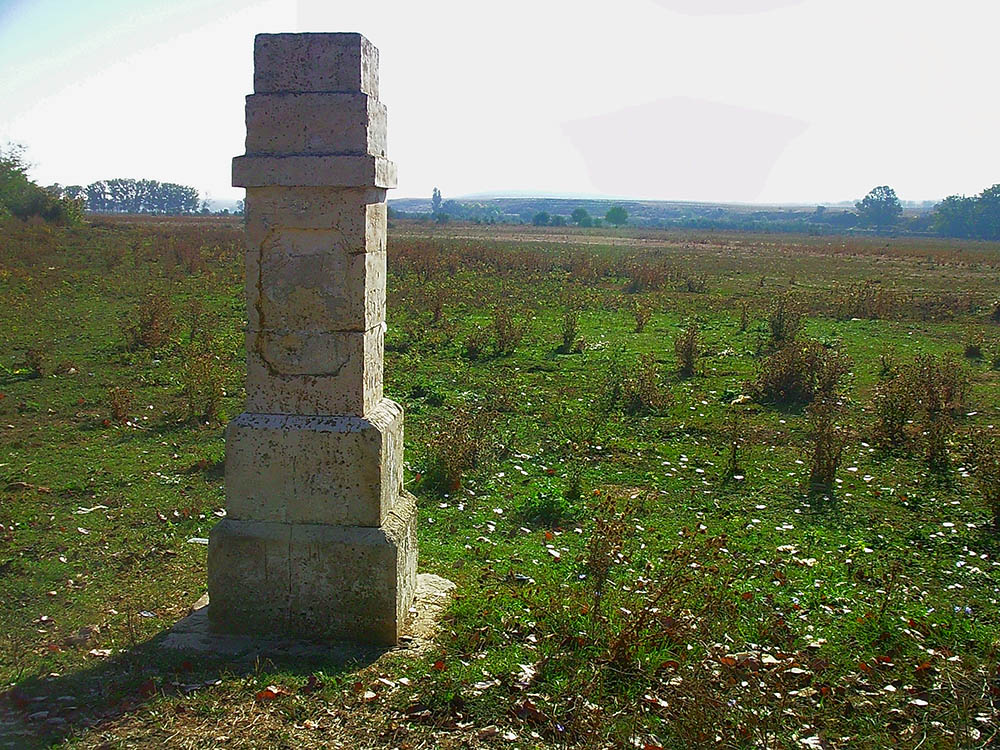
21 198
793 547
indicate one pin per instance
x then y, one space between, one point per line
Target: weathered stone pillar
319 537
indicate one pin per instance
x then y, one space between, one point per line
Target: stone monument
319 538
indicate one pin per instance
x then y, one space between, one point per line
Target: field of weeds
696 490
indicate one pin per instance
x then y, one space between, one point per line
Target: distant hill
523 209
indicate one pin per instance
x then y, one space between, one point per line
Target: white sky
717 100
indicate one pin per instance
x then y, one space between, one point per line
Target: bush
120 400
695 284
203 387
152 324
921 400
508 330
638 389
799 373
984 454
973 346
38 361
21 197
784 321
894 407
428 391
865 299
463 442
686 349
545 508
474 345
940 387
570 332
641 313
826 443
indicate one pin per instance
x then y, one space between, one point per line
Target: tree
540 219
20 196
616 215
955 216
436 201
580 216
977 217
880 208
987 216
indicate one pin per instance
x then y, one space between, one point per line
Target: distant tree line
616 215
977 217
126 195
880 210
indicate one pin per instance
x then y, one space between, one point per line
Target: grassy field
695 490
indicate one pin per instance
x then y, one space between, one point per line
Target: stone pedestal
319 540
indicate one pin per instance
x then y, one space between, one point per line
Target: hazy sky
720 100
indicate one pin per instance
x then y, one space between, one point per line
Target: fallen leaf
270 693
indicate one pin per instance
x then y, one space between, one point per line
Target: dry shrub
37 361
941 384
151 326
474 345
921 400
189 257
437 305
984 454
570 332
120 401
826 442
695 284
941 388
644 276
784 321
642 313
203 386
606 542
202 324
744 315
638 619
798 373
867 300
893 407
463 442
508 329
939 306
686 350
973 348
638 389
736 433
887 364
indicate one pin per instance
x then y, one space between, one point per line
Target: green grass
736 612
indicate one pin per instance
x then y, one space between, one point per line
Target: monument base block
314 581
341 470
